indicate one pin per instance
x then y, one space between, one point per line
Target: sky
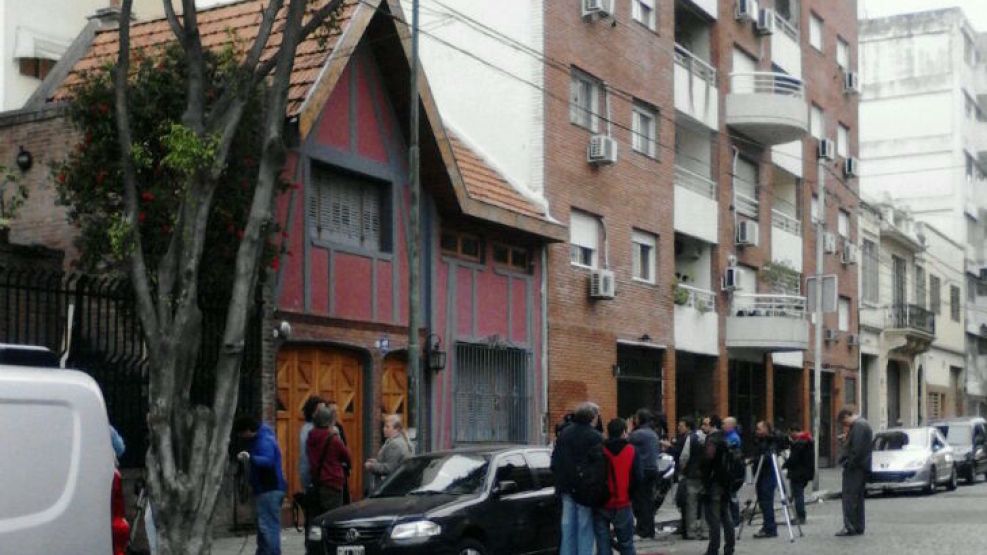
976 10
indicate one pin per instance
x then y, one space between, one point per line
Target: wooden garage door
333 374
394 387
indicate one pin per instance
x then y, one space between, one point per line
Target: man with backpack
645 442
718 469
801 466
625 474
690 461
740 470
580 470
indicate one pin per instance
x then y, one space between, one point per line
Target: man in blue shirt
266 480
733 444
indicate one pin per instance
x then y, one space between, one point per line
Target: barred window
935 294
954 303
348 210
920 286
869 269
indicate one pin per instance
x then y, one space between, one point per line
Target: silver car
911 459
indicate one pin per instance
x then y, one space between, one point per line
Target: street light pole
818 328
414 244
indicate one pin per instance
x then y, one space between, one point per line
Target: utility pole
414 246
818 343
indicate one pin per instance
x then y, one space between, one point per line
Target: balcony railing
694 65
786 27
702 300
766 82
746 204
769 306
785 222
695 182
912 317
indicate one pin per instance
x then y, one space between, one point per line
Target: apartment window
817 123
645 246
970 167
844 314
843 141
849 391
935 297
843 224
816 32
920 286
585 93
348 210
954 303
516 258
37 68
843 53
814 209
584 239
644 127
869 270
461 245
643 11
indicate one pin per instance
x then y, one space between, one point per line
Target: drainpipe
546 423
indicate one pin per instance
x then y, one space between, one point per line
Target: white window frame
644 12
843 141
843 224
843 53
817 122
644 140
649 240
584 112
584 233
843 320
816 25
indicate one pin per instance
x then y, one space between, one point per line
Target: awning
31 43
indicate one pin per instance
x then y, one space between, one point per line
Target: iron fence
492 393
91 323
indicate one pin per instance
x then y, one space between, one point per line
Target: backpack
726 464
591 476
734 468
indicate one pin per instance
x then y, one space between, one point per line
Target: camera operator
767 444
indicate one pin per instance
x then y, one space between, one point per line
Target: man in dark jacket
801 466
264 458
717 482
766 485
690 463
856 460
626 475
645 442
573 449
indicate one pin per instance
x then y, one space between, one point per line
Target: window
843 141
490 394
817 123
849 391
644 129
516 257
37 68
844 314
512 468
643 11
814 209
584 239
954 303
463 245
843 224
349 210
843 53
584 100
920 286
869 270
816 32
644 245
540 464
935 299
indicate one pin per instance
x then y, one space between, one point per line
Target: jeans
577 528
623 526
854 483
766 499
718 518
695 525
644 505
268 508
798 495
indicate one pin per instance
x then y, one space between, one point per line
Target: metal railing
786 27
745 204
702 300
695 182
913 317
786 222
766 305
695 65
766 82
492 393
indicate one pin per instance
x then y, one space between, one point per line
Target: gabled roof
480 191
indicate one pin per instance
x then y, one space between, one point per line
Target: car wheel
953 479
930 488
470 547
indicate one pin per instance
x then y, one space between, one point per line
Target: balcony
696 94
768 107
786 239
767 323
706 6
696 320
696 210
786 51
909 328
745 201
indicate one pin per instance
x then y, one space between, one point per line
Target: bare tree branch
176 26
263 34
310 26
196 101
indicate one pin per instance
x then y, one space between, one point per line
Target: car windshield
454 474
956 433
902 440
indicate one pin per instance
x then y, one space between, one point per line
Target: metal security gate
491 393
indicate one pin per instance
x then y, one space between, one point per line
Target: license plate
350 550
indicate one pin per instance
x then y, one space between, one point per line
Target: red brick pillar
769 386
669 391
807 398
721 385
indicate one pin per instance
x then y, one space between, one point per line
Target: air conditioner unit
602 150
602 284
850 253
827 149
851 82
852 340
602 8
731 278
765 22
746 10
829 243
851 167
831 335
747 233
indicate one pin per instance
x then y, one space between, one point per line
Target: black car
968 437
465 502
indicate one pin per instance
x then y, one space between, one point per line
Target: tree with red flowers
174 183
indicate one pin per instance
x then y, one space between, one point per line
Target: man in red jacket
625 475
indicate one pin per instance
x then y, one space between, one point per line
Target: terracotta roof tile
486 184
215 26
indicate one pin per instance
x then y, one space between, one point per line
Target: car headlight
315 533
416 529
918 463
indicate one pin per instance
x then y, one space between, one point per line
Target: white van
58 477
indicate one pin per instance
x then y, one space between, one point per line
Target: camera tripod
782 492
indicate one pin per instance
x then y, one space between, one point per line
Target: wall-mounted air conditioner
602 8
851 167
746 10
765 22
731 278
850 253
829 243
602 150
853 340
831 335
827 149
602 284
747 233
851 82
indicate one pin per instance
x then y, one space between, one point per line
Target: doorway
639 380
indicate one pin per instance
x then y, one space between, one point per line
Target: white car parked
911 458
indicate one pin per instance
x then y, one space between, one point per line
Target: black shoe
845 533
765 534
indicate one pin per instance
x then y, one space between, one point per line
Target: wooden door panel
394 387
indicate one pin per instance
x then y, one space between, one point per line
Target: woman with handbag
327 455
